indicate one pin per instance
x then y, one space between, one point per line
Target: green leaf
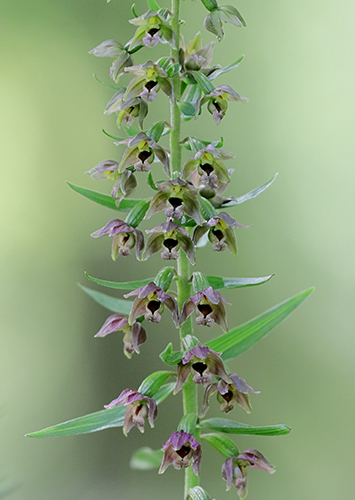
199 282
150 181
133 9
193 94
170 357
136 215
243 337
153 382
248 196
198 493
152 4
104 199
146 459
210 4
207 209
164 278
221 71
203 82
190 341
188 423
118 306
222 444
155 132
218 283
112 136
229 427
97 421
187 110
124 285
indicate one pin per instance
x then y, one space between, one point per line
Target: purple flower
229 394
150 302
125 237
127 110
149 79
176 197
202 362
210 166
180 449
209 307
234 470
151 28
168 238
125 182
138 408
220 232
111 48
217 101
134 335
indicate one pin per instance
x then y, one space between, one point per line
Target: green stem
175 146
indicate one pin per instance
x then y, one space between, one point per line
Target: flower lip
180 450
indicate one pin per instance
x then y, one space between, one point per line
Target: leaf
112 136
218 283
125 285
133 9
198 493
243 337
155 132
146 459
164 278
187 110
170 357
229 427
136 215
188 423
210 4
193 95
190 341
104 199
248 196
153 382
221 71
207 209
152 4
150 181
118 306
203 82
199 282
222 444
97 421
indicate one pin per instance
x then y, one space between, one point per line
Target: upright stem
189 390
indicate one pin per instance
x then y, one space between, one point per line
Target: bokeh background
299 75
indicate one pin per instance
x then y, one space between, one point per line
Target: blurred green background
299 76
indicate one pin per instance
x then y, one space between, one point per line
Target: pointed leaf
222 444
150 181
198 493
210 4
243 337
118 306
136 215
248 196
188 423
199 282
193 94
153 382
146 459
104 199
125 285
203 82
155 132
152 4
170 357
218 283
188 110
221 71
164 278
190 341
207 209
164 391
229 427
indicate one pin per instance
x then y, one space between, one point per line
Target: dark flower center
218 234
150 85
175 202
153 305
205 309
184 450
217 106
206 167
153 31
199 367
228 397
130 109
144 155
170 243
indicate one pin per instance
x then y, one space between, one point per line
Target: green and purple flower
182 450
209 164
194 57
125 182
127 110
149 79
217 101
208 304
125 237
151 29
112 48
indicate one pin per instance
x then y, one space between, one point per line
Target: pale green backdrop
299 74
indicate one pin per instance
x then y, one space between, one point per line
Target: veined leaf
230 427
207 209
203 82
170 357
198 493
136 215
155 132
150 386
188 423
243 337
164 278
118 306
221 71
150 181
187 110
222 444
199 282
104 199
125 285
97 421
146 459
248 196
218 283
193 94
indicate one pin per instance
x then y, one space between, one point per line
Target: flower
134 335
128 110
203 362
168 238
125 182
112 48
220 232
218 101
226 13
237 475
194 57
140 153
125 237
236 391
152 27
150 302
210 166
180 449
149 79
138 408
176 197
209 305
